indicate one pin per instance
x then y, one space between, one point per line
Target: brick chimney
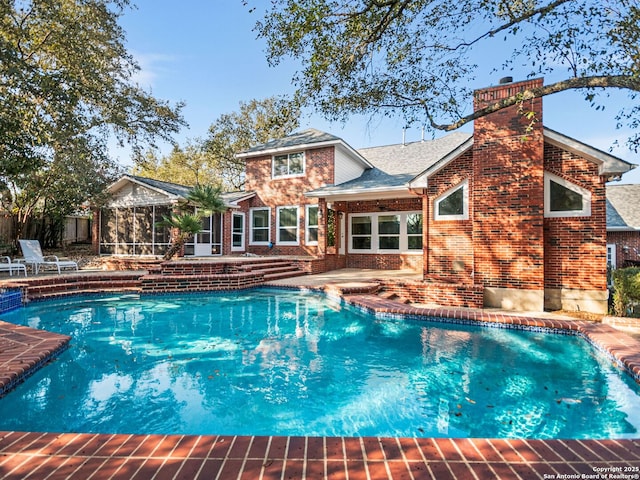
508 198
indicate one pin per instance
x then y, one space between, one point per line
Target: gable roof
306 139
176 192
394 167
623 207
608 165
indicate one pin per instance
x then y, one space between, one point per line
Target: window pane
261 218
280 165
288 235
261 235
361 243
415 242
312 234
562 199
452 204
389 224
361 225
312 216
238 221
390 243
296 163
288 217
414 223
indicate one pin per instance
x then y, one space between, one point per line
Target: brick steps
70 284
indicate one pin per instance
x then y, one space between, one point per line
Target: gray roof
172 188
414 157
623 207
230 198
396 165
305 137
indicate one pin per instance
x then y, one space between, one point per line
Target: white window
565 199
288 232
237 232
311 225
260 226
288 165
361 232
392 232
453 204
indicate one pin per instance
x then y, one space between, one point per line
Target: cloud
152 67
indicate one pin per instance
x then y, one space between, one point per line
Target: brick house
623 225
513 216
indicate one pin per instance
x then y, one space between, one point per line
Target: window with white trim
388 232
260 226
288 165
361 232
311 225
453 204
237 231
565 199
288 232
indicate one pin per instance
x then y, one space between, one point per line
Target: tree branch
627 82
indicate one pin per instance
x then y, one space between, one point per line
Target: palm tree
207 200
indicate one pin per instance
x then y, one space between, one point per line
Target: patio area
82 456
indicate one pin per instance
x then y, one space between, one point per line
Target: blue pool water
279 362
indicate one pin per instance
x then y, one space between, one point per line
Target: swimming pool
281 362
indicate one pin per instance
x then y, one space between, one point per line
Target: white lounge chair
6 265
33 256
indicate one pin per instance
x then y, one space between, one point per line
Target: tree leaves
415 57
66 86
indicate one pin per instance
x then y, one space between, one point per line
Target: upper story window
288 165
565 199
453 204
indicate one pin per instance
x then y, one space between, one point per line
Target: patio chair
33 256
6 265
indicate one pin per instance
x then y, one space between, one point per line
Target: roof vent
505 80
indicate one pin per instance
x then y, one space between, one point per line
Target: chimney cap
505 80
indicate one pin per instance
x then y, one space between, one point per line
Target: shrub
626 286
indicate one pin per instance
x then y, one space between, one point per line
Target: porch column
426 221
323 218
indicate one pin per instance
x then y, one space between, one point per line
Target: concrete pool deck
101 456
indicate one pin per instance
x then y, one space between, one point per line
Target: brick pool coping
101 456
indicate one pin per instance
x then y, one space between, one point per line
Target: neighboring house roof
306 139
623 207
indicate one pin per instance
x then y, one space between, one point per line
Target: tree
66 87
257 121
417 56
190 165
207 200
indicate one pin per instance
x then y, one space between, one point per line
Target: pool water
281 362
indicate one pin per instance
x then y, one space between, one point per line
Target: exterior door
209 241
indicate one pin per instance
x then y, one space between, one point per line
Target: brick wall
319 171
450 252
627 247
575 247
507 192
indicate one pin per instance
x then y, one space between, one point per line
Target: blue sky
205 53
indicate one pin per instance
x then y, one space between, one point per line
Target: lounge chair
6 265
33 256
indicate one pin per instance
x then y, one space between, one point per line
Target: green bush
626 286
